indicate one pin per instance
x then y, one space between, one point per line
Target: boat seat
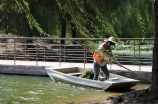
74 74
67 69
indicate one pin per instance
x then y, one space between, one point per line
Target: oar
116 63
134 72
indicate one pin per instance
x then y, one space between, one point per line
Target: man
102 57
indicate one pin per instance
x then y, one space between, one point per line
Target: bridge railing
51 49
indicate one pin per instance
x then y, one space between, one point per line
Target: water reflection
15 89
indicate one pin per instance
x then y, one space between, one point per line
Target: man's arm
114 60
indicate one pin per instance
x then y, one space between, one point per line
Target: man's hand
115 61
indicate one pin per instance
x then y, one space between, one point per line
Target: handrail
48 38
62 53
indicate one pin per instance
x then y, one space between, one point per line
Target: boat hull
63 74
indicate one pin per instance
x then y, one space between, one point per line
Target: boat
70 74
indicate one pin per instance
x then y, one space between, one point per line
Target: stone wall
23 70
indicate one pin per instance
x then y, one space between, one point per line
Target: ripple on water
25 98
32 92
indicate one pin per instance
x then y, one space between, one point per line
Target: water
17 89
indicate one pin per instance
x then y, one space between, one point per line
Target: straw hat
111 39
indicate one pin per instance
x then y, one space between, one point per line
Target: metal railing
47 49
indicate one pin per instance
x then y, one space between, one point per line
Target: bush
89 74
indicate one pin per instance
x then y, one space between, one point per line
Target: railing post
14 51
25 50
139 57
60 54
64 53
86 50
134 52
84 53
44 50
36 53
6 49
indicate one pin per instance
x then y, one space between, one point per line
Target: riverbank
134 97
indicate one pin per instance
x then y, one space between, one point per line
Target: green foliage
47 16
24 6
116 54
89 74
36 12
92 18
85 18
103 18
136 48
101 73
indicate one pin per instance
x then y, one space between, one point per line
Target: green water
17 89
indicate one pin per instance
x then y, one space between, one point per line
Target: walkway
87 65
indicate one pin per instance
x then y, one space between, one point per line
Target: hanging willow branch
24 7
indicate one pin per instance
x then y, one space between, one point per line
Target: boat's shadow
120 90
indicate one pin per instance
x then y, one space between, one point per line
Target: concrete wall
24 70
39 70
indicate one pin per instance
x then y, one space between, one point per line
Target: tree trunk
63 30
8 24
154 86
73 30
1 21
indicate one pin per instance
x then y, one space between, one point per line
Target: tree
154 86
91 18
150 95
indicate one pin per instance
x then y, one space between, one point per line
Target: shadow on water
137 87
120 90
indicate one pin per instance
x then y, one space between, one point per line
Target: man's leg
105 71
96 70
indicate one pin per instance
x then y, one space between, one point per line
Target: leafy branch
24 7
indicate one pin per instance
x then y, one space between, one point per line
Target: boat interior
73 71
76 71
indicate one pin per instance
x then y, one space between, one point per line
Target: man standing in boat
103 56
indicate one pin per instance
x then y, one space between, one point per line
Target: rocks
134 97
